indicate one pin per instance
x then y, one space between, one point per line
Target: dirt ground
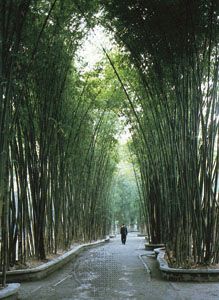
115 271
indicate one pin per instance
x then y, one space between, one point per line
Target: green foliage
173 45
59 131
105 86
124 193
59 142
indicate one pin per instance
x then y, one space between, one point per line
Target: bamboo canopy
58 125
174 47
57 152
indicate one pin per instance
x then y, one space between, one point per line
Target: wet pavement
115 271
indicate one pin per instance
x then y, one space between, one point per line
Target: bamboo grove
58 126
173 113
57 152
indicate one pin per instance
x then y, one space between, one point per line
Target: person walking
123 232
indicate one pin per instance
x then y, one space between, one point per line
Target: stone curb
158 250
151 247
45 269
174 274
10 291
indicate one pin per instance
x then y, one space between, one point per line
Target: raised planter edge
45 269
151 247
178 274
10 291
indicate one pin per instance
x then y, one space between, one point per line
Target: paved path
115 271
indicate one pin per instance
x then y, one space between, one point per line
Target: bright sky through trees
91 51
63 123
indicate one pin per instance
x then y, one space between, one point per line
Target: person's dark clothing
123 232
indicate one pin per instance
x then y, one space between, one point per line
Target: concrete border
151 247
10 291
158 250
45 269
177 274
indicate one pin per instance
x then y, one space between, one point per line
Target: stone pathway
115 271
